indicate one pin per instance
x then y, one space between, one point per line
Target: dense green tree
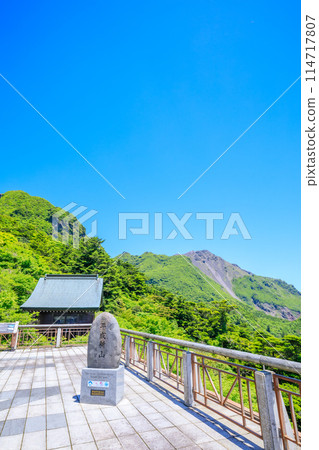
27 252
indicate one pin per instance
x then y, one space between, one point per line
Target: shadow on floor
226 432
22 396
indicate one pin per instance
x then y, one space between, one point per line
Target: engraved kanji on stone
104 346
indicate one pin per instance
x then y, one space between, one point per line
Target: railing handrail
277 363
57 325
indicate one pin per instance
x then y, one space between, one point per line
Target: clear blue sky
152 93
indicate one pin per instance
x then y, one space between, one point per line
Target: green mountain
274 297
178 274
27 252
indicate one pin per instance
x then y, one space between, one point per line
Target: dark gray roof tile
60 292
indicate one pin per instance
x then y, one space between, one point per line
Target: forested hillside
270 295
27 252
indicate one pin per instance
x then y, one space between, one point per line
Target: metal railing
57 335
287 389
230 385
135 349
266 361
209 376
5 341
168 365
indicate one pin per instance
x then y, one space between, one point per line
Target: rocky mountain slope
203 276
274 297
217 268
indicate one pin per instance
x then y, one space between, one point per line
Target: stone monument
103 380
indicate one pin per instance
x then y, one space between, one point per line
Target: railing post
268 412
14 337
127 351
197 381
188 379
58 338
157 360
150 360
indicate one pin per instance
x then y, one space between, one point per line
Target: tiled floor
39 409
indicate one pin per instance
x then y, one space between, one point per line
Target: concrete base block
102 386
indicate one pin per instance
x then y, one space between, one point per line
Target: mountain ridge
216 268
272 296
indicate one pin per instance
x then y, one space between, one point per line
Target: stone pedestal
102 386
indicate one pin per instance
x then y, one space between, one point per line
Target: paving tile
140 423
18 402
36 410
215 431
128 410
76 418
37 394
251 439
17 412
133 442
102 431
124 402
160 406
35 424
132 397
72 406
192 447
149 397
11 442
112 413
121 427
40 401
195 434
56 398
155 441
145 408
175 418
80 435
25 386
139 389
239 443
12 386
159 421
176 437
58 437
3 414
109 444
133 424
6 395
56 421
88 406
213 445
94 416
87 446
22 393
34 441
38 384
13 427
55 408
190 415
